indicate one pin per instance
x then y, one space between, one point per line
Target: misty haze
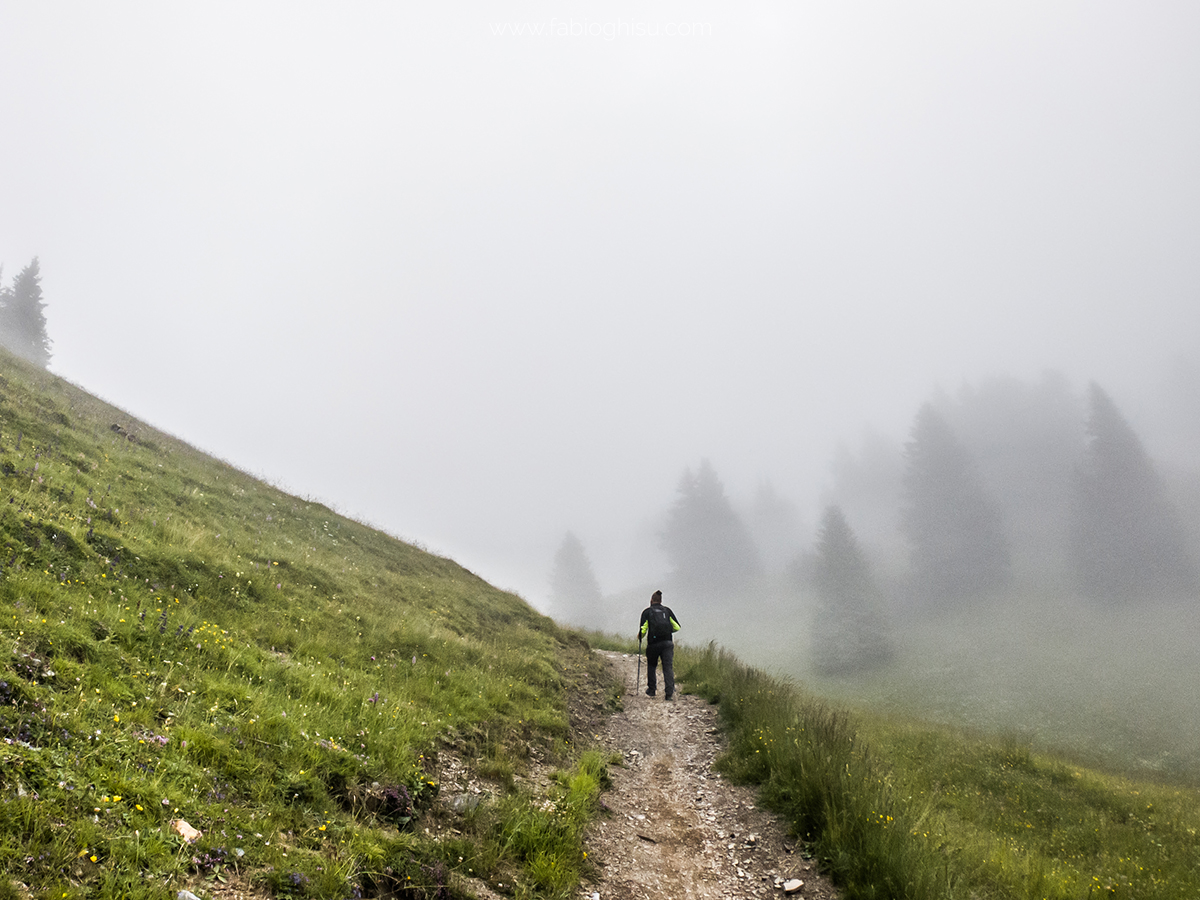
867 334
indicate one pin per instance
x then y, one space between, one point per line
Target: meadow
896 806
1114 688
183 643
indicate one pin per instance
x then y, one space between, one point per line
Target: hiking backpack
660 625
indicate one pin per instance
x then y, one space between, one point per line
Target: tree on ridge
574 589
22 316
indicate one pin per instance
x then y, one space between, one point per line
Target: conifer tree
1026 438
849 632
957 546
775 528
1127 539
22 317
705 540
574 589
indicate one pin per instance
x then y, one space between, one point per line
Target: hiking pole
637 685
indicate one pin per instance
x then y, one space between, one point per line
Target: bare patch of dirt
677 830
235 889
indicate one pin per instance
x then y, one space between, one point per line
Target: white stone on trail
792 886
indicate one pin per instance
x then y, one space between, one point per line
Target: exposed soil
677 829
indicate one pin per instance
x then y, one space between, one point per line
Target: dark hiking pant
666 652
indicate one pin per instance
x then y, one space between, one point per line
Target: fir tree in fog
574 590
957 546
1126 535
1180 433
848 633
706 543
1025 439
22 317
775 527
1179 425
868 485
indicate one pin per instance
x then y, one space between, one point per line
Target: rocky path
677 830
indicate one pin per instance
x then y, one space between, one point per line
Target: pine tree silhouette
574 589
1127 539
849 632
956 540
706 542
22 317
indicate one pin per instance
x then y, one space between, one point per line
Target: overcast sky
478 285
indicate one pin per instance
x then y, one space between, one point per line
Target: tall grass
815 769
901 809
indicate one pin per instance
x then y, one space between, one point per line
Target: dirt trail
678 830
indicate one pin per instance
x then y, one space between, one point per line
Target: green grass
1037 825
1119 688
903 809
181 641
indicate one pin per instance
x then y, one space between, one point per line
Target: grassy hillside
339 714
182 642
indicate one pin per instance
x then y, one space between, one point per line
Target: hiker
657 626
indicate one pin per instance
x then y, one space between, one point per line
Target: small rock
185 831
792 885
464 803
186 895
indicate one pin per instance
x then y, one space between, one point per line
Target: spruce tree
849 633
574 589
1127 539
957 546
1026 438
22 317
775 528
706 542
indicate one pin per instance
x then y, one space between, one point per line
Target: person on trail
657 625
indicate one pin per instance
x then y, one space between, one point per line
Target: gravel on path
676 829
